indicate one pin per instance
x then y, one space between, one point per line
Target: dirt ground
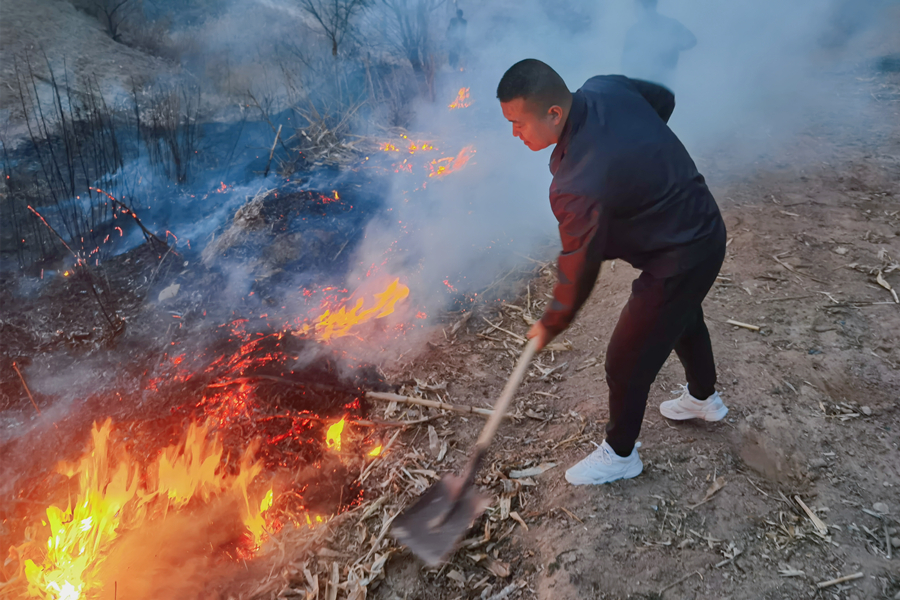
813 398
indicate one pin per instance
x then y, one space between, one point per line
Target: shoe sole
628 475
710 416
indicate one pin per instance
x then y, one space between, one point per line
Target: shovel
432 526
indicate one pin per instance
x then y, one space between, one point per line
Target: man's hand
540 332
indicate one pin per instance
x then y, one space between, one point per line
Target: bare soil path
813 395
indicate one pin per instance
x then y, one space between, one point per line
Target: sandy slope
71 39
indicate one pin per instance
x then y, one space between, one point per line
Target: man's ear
556 113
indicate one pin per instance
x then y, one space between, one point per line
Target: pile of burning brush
255 469
274 445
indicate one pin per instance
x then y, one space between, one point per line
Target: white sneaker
688 407
604 465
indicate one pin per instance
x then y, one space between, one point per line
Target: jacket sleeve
582 230
660 98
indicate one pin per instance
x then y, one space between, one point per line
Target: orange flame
111 500
444 166
339 323
462 99
376 451
333 435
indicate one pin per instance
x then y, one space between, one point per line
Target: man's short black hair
459 12
535 82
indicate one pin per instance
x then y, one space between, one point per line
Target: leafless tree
113 13
334 17
413 30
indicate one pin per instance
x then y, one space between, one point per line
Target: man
456 39
624 187
653 44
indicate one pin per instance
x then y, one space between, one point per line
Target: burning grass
274 445
113 496
262 455
242 474
265 458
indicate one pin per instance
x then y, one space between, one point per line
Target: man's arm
582 230
661 99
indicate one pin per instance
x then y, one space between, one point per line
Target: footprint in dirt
771 452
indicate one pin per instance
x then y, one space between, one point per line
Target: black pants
661 315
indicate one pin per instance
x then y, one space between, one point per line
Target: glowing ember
376 451
462 99
339 323
333 436
113 497
411 148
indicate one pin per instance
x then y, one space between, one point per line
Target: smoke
760 73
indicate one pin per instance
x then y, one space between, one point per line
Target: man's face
536 128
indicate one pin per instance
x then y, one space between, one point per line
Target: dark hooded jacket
625 187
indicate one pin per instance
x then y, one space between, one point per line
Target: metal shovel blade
432 526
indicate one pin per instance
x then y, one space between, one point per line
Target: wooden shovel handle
506 396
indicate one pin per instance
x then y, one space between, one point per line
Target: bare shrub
152 37
412 30
112 14
334 17
170 129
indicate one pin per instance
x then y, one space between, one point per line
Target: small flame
462 99
376 451
333 436
339 323
266 503
310 523
444 166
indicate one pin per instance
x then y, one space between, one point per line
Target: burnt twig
148 235
272 151
27 391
